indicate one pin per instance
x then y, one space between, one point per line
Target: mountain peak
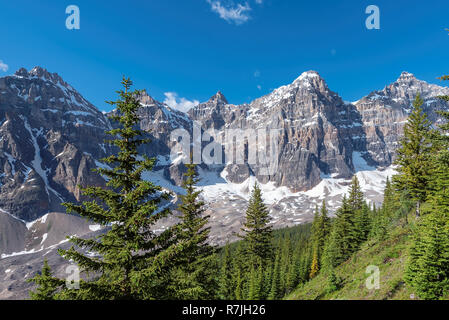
219 98
41 73
310 79
406 77
311 74
147 100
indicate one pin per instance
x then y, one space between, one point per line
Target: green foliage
269 281
428 266
47 284
226 277
275 291
333 282
131 261
195 277
257 233
414 155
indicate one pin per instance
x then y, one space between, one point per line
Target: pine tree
255 283
292 273
362 223
238 271
239 291
226 287
355 198
330 252
275 290
360 212
320 233
284 263
427 270
48 286
325 224
323 229
195 277
268 276
389 204
345 234
132 261
413 156
258 234
315 225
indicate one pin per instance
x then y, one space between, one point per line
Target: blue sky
190 49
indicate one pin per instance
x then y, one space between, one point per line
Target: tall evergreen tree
293 273
320 233
239 268
275 290
427 270
345 235
330 252
255 283
226 287
413 156
195 278
362 223
355 198
359 210
131 261
257 233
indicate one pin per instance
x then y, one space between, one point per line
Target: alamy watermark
73 279
373 20
73 20
373 281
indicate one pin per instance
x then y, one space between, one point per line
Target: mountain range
51 138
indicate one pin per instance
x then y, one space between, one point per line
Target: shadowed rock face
50 138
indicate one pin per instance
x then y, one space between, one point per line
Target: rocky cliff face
319 132
50 138
385 112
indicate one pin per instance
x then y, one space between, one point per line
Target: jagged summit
218 98
41 73
311 74
147 100
310 80
406 77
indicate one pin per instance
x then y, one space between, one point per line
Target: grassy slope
389 255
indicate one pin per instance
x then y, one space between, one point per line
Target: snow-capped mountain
51 138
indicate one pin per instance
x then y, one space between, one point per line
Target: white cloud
3 66
232 13
256 74
259 87
259 1
181 104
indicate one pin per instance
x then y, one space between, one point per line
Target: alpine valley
51 138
